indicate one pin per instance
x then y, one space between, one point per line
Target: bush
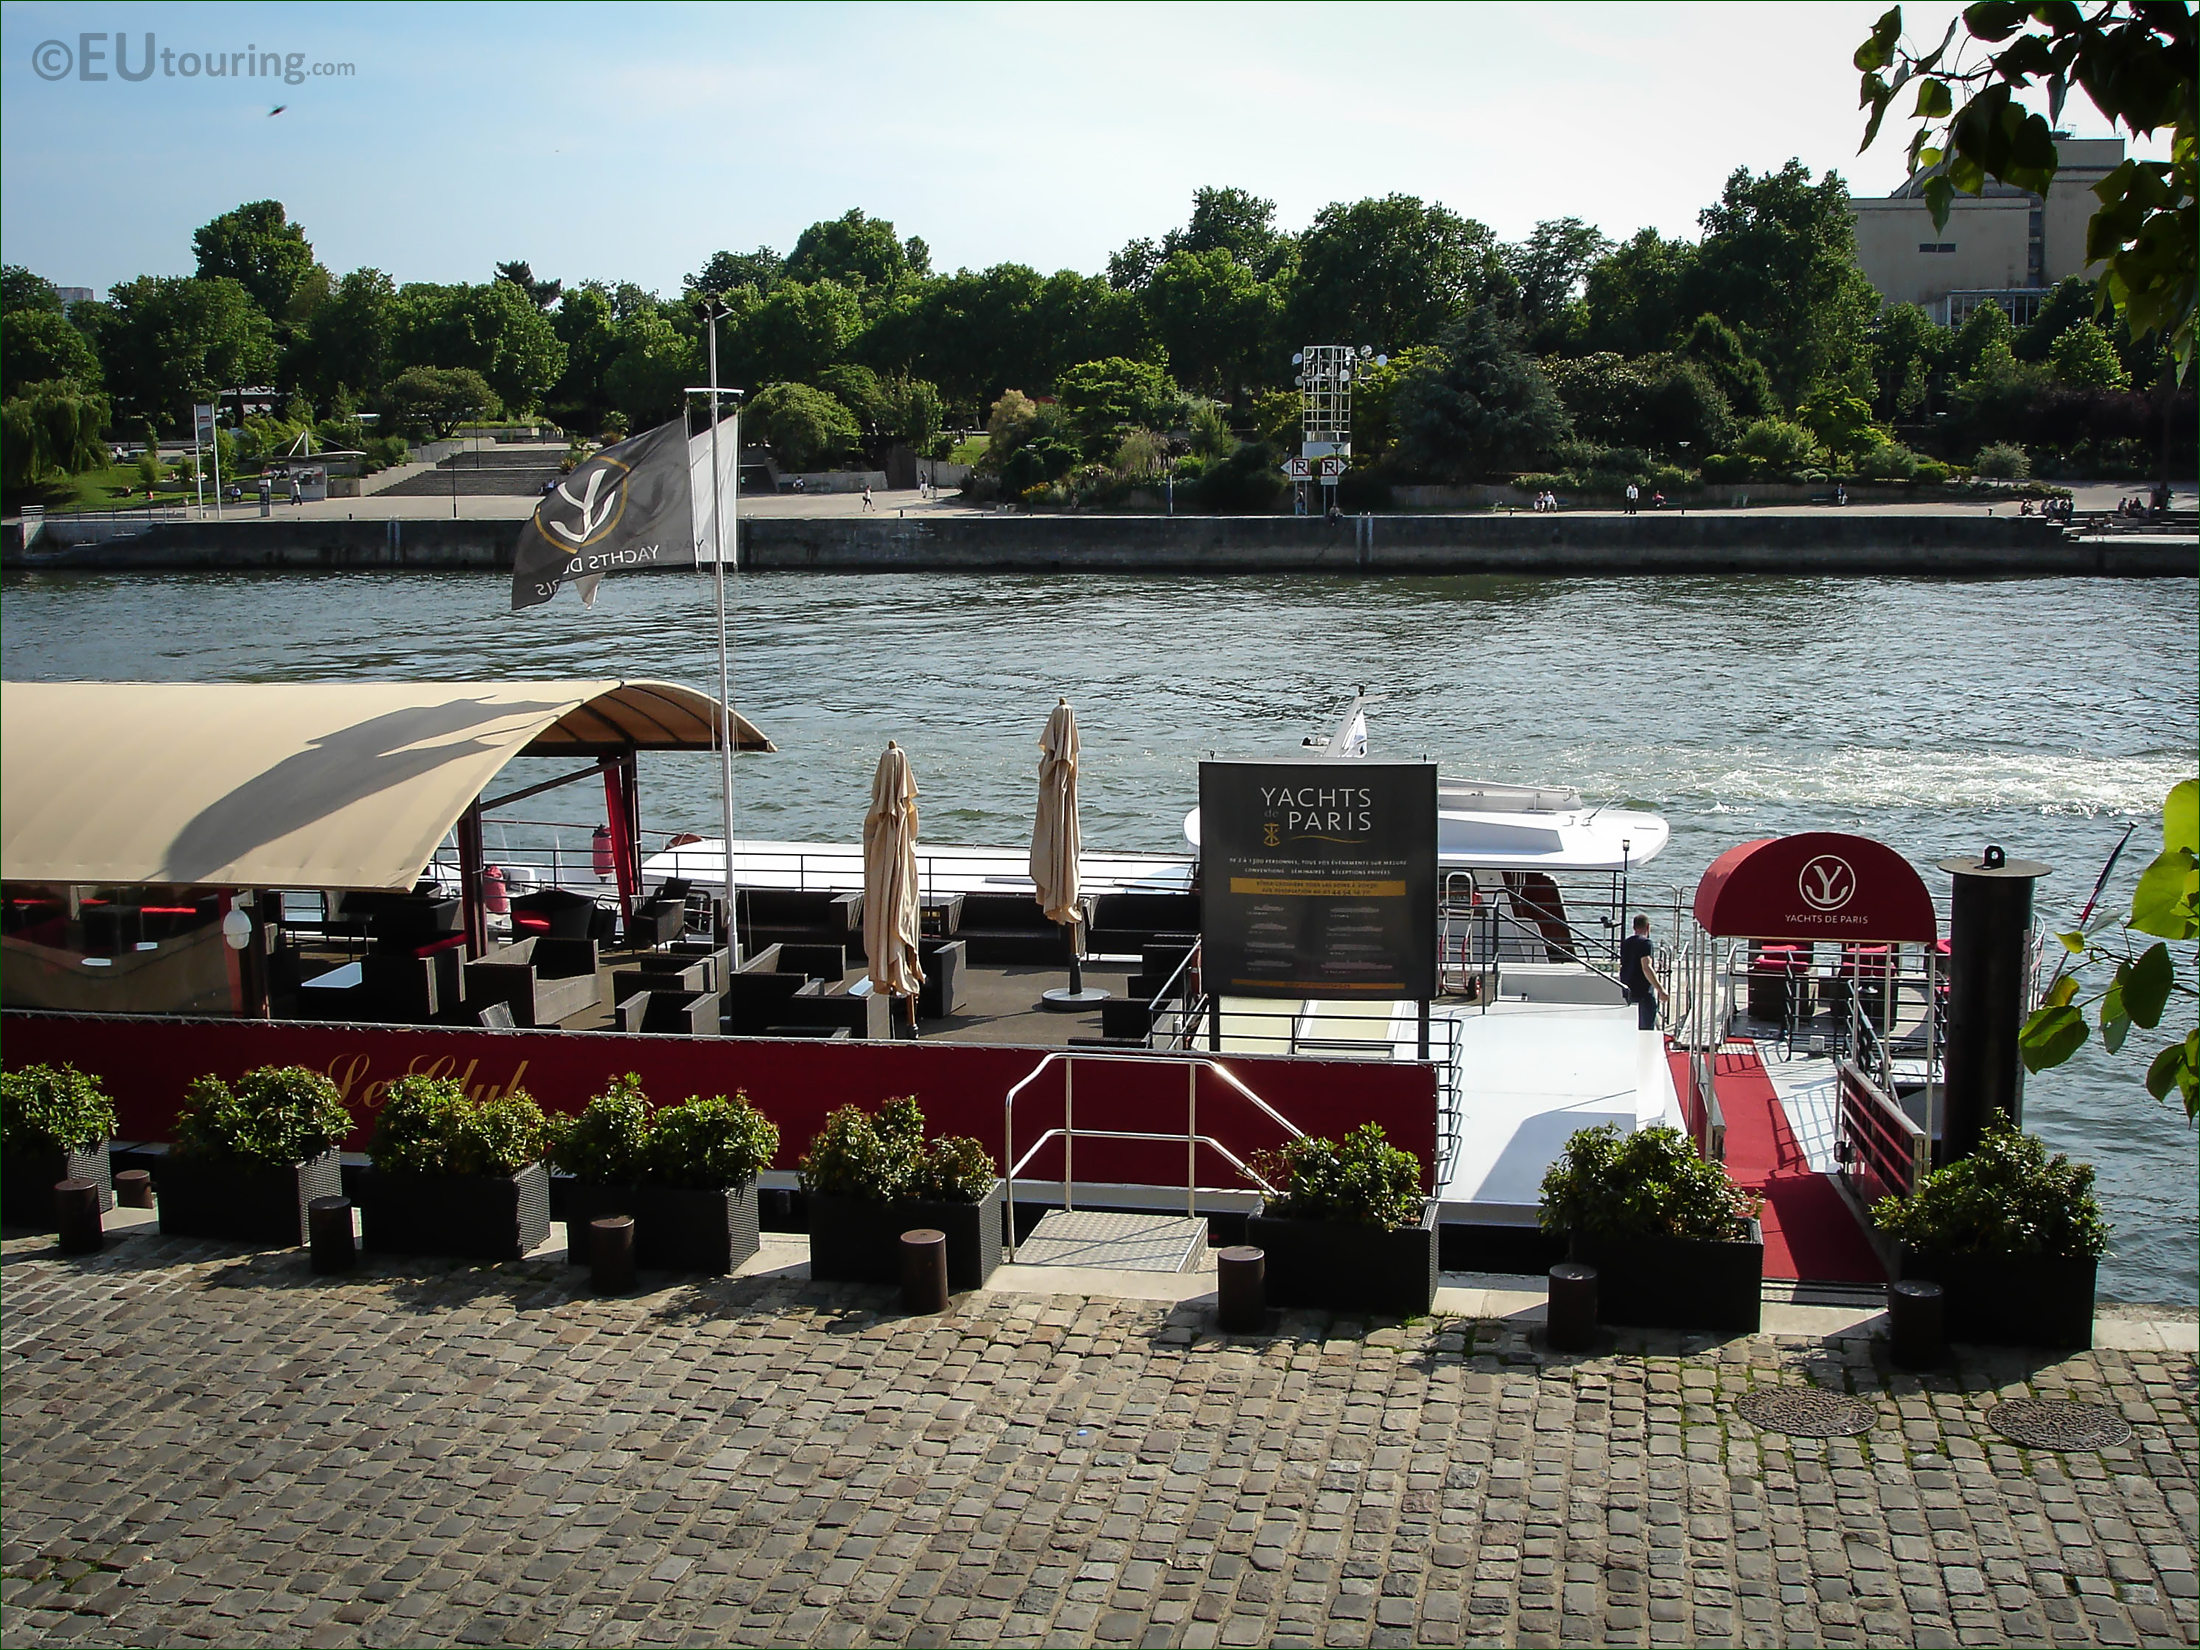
42 1107
427 1125
1886 461
1363 1180
2007 1198
1930 472
1726 467
1775 445
2002 461
276 1116
710 1143
884 1159
1649 1183
609 1140
1248 482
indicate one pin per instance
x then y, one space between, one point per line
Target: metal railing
1881 1149
1069 1134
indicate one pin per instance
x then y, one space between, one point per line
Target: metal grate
2058 1423
1806 1411
1118 1242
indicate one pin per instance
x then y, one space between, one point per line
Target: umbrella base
1069 1002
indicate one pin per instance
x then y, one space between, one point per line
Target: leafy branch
2166 904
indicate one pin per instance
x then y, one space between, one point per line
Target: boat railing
1069 1133
1882 1150
1700 1108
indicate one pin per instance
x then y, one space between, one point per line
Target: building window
1936 246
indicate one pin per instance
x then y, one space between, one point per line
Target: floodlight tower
1326 373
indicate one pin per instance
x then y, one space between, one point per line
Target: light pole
712 314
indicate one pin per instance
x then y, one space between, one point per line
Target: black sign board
1318 878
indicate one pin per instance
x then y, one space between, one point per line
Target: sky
629 142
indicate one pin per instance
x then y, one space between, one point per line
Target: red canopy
1816 885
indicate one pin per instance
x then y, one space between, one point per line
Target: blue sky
629 142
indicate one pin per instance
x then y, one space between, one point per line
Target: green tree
2134 59
347 343
1130 269
39 345
542 294
805 428
2073 299
587 325
1778 447
1391 273
21 290
857 388
1102 399
800 329
1910 350
725 272
1482 407
1841 420
1551 268
176 340
915 414
2083 355
854 250
1235 222
51 429
1660 404
1984 330
439 399
1633 298
1740 376
493 329
1214 317
655 363
258 247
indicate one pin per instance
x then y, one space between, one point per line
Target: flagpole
725 673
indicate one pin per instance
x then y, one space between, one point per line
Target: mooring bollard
328 1225
1241 1290
1917 1324
134 1189
76 1216
923 1270
1571 1323
611 1254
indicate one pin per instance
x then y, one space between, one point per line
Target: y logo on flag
593 519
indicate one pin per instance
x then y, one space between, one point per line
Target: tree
798 331
1551 269
439 399
492 329
1391 273
647 377
171 341
347 343
2135 60
915 415
1481 407
1984 331
258 247
854 250
1102 399
1909 351
21 290
805 428
1739 375
2073 299
1655 403
857 388
40 346
51 428
1130 269
1235 222
2165 907
1778 447
2083 355
1633 297
1213 317
1841 420
542 294
723 272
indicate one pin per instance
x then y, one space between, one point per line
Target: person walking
1638 975
867 495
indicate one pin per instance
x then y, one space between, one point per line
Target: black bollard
923 1270
328 1225
1571 1322
611 1254
76 1216
1917 1324
1241 1290
1989 965
134 1189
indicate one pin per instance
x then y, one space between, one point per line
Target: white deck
945 869
1812 1100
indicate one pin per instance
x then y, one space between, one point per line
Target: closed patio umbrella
890 879
1055 847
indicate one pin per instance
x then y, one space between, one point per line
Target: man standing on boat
1638 975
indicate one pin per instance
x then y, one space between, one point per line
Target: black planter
1677 1283
2011 1300
676 1228
27 1176
474 1217
853 1240
217 1197
1343 1266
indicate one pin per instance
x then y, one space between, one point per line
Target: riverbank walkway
207 1446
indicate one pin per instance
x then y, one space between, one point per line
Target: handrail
1880 1145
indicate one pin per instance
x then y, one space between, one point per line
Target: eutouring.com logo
110 57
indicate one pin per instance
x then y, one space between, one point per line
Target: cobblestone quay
209 1448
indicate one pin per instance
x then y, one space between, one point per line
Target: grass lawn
115 488
968 452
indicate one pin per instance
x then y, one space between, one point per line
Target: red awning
1817 885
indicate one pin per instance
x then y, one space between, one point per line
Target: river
1936 716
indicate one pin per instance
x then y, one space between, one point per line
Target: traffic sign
1332 468
1298 469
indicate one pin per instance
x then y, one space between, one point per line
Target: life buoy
605 862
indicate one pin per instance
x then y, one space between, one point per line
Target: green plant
883 1158
47 1106
275 1116
2007 1198
1649 1183
955 1169
609 1140
427 1125
2002 461
504 1134
1363 1179
712 1142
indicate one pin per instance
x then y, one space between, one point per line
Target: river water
1936 716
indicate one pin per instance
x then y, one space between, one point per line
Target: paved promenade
209 1447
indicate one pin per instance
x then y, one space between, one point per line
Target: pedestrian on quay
1638 975
1634 497
867 495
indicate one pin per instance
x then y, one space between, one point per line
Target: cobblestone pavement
208 1447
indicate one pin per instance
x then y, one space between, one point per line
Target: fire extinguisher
493 892
605 864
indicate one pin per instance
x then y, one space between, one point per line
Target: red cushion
449 942
532 920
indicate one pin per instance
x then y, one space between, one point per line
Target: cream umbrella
1055 847
890 880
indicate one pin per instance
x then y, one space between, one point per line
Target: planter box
215 1197
853 1240
1677 1283
28 1174
1347 1267
676 1228
2011 1300
474 1217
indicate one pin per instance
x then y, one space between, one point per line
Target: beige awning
291 784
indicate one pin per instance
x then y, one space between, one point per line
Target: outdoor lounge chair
683 1013
543 980
1011 928
564 915
944 987
756 1000
659 922
804 916
660 973
1123 923
861 1014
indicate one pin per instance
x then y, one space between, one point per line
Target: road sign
1332 468
202 418
1298 469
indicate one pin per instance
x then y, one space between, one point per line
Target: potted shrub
866 1180
686 1173
54 1124
247 1161
455 1177
2012 1236
1675 1242
1346 1226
